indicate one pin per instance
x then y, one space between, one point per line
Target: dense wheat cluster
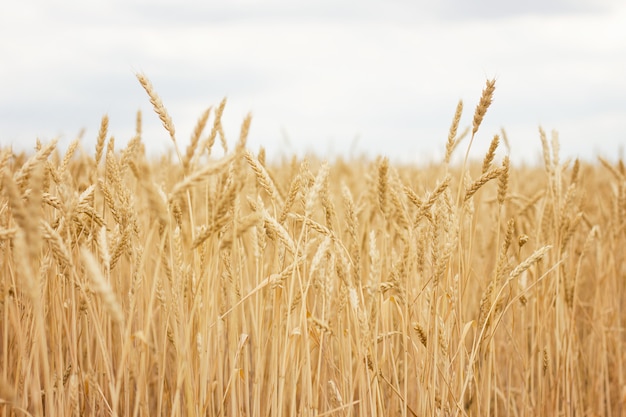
215 283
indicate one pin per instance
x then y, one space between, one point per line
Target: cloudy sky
332 77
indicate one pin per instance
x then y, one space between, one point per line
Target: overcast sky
332 77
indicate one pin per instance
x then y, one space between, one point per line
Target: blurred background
331 77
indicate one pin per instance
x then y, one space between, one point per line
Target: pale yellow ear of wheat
453 140
485 101
161 111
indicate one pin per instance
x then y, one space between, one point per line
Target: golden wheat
233 285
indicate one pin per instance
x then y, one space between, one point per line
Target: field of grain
204 285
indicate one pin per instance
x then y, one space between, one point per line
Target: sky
340 77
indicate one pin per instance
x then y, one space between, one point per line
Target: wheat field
212 282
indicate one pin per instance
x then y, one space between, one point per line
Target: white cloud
323 72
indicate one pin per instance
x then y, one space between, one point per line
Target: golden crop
232 286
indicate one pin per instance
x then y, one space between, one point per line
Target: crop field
215 282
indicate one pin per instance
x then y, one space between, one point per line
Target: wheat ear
23 175
486 177
263 178
383 184
200 176
530 261
160 110
195 137
481 109
485 101
491 153
503 181
452 140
